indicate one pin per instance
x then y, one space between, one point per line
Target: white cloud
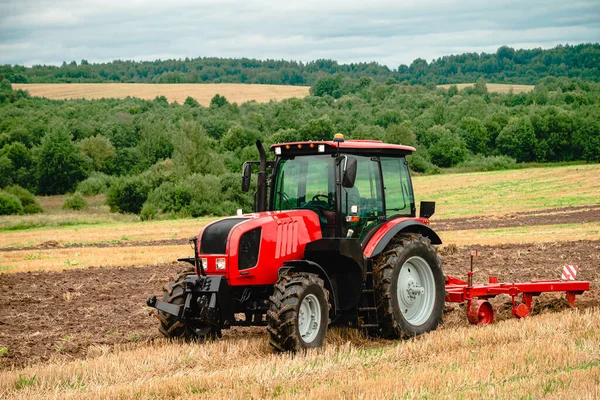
389 32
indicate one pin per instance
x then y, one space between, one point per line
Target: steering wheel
316 197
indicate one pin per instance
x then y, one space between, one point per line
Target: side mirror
427 209
349 172
247 174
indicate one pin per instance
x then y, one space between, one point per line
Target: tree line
507 65
153 158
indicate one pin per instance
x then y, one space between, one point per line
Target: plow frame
480 310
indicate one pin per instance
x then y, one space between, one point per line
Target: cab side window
399 197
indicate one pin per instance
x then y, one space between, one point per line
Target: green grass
508 191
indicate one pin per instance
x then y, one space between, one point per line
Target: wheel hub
309 318
416 290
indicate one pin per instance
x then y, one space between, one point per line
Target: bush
127 195
30 204
418 163
149 212
75 202
10 204
94 185
196 195
491 163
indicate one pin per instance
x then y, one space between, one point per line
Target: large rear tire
409 287
298 313
170 326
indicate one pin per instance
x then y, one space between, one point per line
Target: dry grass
503 192
203 93
69 258
550 356
119 232
495 87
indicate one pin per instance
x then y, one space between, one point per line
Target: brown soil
554 216
72 313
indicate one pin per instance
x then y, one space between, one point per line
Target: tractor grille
214 237
248 251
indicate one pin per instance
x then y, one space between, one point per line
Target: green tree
317 129
237 138
192 102
475 135
60 164
517 140
448 150
99 149
218 101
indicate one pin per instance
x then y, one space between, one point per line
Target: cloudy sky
389 32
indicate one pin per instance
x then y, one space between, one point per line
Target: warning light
338 137
287 146
312 145
299 146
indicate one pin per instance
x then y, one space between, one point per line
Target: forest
507 65
154 158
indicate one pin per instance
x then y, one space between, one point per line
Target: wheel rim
309 318
416 291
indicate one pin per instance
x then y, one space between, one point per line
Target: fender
314 268
387 231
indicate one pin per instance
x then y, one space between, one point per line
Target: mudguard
378 242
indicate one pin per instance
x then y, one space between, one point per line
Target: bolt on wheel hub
416 290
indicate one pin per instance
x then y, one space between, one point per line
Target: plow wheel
298 313
481 312
172 328
409 287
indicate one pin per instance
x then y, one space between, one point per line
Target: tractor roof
351 146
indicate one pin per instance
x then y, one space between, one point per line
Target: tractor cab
354 186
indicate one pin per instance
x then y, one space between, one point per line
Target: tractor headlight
204 262
277 151
220 264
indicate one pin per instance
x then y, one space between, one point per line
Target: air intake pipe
261 189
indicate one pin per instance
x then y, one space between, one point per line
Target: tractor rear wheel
170 326
409 287
298 313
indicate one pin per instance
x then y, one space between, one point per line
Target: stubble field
73 321
203 93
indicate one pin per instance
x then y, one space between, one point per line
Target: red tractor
335 240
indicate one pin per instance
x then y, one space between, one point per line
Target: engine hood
256 245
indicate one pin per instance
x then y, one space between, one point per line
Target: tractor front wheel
170 326
299 312
409 286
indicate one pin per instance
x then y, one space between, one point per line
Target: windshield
305 182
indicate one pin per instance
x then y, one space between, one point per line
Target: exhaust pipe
261 189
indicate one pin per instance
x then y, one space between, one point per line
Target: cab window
399 197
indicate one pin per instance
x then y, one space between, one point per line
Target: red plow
476 296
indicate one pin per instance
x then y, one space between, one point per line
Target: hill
507 65
203 93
